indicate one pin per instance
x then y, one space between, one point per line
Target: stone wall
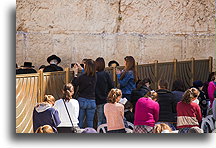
146 29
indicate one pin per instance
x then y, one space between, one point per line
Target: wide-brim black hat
27 64
113 62
52 57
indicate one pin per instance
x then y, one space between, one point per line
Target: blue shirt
127 84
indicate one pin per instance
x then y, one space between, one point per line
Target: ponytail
189 95
68 91
113 95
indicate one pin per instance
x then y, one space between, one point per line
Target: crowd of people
91 94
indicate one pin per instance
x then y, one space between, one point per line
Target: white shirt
73 109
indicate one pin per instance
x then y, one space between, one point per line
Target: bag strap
68 113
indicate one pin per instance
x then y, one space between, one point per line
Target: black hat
52 57
198 83
113 62
27 64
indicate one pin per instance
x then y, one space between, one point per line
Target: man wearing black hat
53 60
113 63
26 69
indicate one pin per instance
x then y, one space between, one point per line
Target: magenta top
146 112
211 90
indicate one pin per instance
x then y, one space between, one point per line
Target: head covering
197 83
27 64
113 62
52 57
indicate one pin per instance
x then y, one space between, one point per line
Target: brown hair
161 127
100 64
68 91
49 98
113 95
45 129
143 82
212 78
130 65
151 94
90 67
163 84
189 95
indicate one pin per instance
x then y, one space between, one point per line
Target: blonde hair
45 129
152 94
161 127
113 95
49 98
190 94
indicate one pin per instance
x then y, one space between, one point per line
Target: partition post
175 69
114 76
41 89
210 64
156 73
67 70
192 70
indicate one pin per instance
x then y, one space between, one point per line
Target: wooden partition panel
201 70
53 83
147 71
26 99
166 72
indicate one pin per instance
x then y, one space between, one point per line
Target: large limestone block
20 49
39 47
163 16
200 47
162 48
66 16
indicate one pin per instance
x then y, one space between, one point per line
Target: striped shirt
188 115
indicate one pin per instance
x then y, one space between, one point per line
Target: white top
73 109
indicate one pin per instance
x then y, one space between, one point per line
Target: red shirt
188 115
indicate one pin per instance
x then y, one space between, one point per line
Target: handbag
73 129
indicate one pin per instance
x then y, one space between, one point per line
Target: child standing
114 112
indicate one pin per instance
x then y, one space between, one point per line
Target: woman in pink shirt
211 90
114 112
146 113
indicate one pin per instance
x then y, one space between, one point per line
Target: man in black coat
26 69
53 60
167 102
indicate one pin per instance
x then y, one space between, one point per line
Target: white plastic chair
130 125
128 130
102 127
209 123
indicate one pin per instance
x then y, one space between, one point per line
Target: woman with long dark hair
86 93
103 85
128 77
